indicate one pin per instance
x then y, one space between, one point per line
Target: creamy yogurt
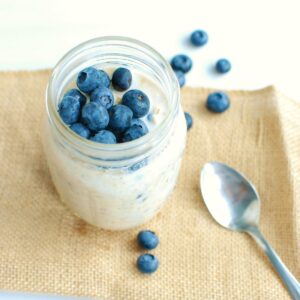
121 198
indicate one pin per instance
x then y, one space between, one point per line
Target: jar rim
95 148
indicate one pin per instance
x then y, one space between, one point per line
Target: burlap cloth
44 248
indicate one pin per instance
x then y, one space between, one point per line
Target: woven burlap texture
44 248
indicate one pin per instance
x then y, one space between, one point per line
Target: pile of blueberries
100 119
216 102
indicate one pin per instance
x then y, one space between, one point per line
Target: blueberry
181 78
121 79
138 165
81 130
88 79
95 116
104 137
120 118
141 124
147 263
199 38
137 101
217 102
76 94
181 63
150 117
103 79
147 239
189 120
69 109
223 65
103 96
132 133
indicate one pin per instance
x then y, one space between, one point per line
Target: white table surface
260 37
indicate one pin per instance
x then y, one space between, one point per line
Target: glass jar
114 186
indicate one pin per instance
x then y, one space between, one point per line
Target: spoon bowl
234 203
233 200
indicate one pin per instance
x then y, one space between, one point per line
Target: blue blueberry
147 239
95 116
217 102
121 79
103 96
181 63
199 38
132 133
138 165
88 79
81 130
140 123
189 120
69 109
120 117
103 79
138 102
150 117
180 77
223 65
147 263
76 94
104 137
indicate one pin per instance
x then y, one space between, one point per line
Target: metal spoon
234 203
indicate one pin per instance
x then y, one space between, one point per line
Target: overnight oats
115 131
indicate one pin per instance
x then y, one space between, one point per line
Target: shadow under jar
115 186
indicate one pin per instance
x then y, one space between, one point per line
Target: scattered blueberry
103 79
140 123
103 96
137 101
121 79
69 109
181 78
217 102
120 117
81 130
199 38
189 120
181 63
95 116
76 94
88 79
147 263
105 137
223 65
147 239
132 133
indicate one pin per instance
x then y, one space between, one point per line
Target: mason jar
114 186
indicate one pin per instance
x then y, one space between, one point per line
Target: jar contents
113 111
112 104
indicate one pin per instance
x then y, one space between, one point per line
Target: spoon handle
287 277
